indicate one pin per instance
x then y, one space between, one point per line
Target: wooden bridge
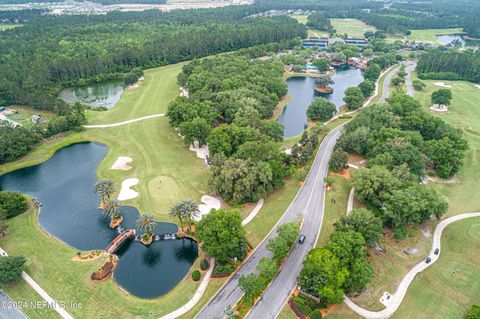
119 240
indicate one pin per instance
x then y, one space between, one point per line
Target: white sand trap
477 86
209 203
123 163
442 84
202 152
439 108
126 192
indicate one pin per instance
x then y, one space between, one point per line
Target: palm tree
111 208
146 222
176 211
190 209
104 188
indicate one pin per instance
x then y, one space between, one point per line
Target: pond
449 38
105 94
301 90
63 184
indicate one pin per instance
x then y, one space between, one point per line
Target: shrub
204 264
224 269
399 233
301 175
13 203
474 313
303 309
196 275
316 314
11 269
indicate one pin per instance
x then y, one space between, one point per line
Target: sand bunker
209 203
439 108
442 84
477 86
202 152
123 163
126 192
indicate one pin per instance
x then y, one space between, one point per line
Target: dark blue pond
301 90
63 184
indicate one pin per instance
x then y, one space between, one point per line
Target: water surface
105 94
301 90
449 38
63 184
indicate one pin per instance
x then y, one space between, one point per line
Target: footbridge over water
119 240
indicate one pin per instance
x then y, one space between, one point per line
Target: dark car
302 238
428 260
436 251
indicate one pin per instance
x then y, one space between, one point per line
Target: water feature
63 184
105 94
301 89
449 38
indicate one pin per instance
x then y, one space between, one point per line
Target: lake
449 38
301 90
63 184
105 94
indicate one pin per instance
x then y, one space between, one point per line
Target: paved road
309 203
7 308
386 84
397 298
409 67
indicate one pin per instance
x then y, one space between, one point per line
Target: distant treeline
50 52
450 65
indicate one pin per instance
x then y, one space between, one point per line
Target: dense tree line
16 142
12 203
319 21
230 97
51 52
400 142
450 65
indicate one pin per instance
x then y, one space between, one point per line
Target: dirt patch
106 270
356 159
85 257
345 173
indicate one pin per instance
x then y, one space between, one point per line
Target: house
37 119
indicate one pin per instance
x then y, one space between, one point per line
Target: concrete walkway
196 298
52 303
397 298
254 212
125 122
351 196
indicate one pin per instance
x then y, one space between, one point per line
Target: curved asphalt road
309 204
386 84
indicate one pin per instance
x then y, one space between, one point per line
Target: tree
367 87
474 312
340 57
442 97
12 203
397 81
322 64
321 109
364 222
280 245
323 81
16 142
146 223
268 268
373 71
353 98
250 285
323 276
447 154
374 184
104 188
176 211
196 130
111 208
349 247
221 234
418 85
185 209
11 268
338 160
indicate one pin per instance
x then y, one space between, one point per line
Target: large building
323 43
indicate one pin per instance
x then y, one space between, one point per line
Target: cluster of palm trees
146 222
110 206
185 210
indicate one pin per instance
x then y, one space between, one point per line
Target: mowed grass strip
430 35
353 27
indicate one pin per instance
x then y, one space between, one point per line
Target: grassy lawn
24 115
429 35
302 18
353 27
4 27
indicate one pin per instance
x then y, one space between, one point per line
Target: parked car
436 251
302 238
428 260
